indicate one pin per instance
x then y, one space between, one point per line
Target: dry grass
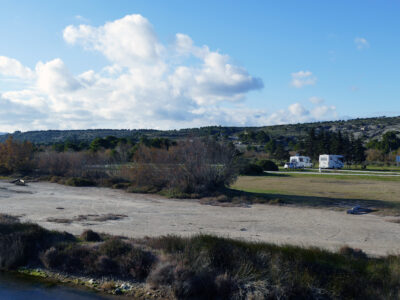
325 191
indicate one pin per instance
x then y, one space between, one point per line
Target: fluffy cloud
361 43
13 68
297 113
127 41
146 84
303 78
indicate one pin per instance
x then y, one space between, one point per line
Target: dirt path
150 215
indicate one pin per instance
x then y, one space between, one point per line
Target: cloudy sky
178 64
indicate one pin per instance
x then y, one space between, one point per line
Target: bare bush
192 166
71 164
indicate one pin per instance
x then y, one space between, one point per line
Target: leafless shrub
192 166
71 164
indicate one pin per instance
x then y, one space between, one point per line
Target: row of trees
326 142
355 150
323 142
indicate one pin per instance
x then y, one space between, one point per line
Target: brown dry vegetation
192 167
16 157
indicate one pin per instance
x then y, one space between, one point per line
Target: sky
180 64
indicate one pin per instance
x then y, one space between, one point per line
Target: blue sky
235 63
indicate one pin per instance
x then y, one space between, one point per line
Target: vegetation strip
202 266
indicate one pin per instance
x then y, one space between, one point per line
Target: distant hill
367 128
3 133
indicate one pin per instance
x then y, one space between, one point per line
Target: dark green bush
20 243
90 236
252 170
268 165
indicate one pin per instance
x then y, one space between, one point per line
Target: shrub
137 263
354 253
76 181
20 243
90 236
105 265
252 170
71 258
162 274
268 165
225 286
114 247
196 166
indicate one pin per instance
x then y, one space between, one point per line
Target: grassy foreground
202 266
380 193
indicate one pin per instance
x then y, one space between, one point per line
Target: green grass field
339 191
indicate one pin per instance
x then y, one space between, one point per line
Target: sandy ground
150 215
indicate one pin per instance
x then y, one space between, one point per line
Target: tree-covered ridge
367 128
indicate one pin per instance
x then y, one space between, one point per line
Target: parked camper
330 161
301 161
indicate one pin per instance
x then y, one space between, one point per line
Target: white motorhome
330 161
301 161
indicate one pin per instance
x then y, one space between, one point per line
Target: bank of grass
203 266
342 176
379 194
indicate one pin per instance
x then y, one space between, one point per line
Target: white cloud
303 78
297 109
146 84
13 68
297 113
361 43
324 112
53 77
316 100
127 41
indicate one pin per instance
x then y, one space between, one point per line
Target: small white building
301 161
331 161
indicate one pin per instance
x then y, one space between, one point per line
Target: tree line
355 150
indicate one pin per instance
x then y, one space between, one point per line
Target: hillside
367 128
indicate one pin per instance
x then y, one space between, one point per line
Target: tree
16 156
390 142
281 153
270 147
310 145
359 151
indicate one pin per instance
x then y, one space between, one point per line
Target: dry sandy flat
149 215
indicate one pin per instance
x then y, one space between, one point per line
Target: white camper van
329 161
301 161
